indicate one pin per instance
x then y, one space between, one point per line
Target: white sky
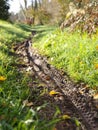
15 6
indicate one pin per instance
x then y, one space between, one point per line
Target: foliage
39 12
43 16
85 19
4 7
64 7
75 53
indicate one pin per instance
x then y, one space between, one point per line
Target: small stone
36 68
61 98
26 60
37 62
29 69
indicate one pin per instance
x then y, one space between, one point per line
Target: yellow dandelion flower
2 78
53 92
96 66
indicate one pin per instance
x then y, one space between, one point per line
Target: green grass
14 115
14 89
75 53
42 31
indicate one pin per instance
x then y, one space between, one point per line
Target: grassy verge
15 114
75 53
13 84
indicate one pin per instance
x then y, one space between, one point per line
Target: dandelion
2 78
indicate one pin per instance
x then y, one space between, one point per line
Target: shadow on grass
43 28
11 31
39 36
24 27
42 31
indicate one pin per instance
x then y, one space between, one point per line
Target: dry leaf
47 78
29 104
96 66
96 106
95 96
53 92
2 78
81 92
65 117
54 128
97 47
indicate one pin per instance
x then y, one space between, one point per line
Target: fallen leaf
81 92
96 66
29 104
2 78
97 47
54 128
47 78
68 15
65 117
53 92
96 106
25 102
95 96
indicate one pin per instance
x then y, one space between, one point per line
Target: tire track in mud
77 96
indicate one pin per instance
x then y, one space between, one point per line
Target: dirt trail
73 99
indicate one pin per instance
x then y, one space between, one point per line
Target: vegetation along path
74 100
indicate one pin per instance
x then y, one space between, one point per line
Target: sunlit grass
10 33
75 53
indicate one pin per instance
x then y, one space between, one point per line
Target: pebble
38 62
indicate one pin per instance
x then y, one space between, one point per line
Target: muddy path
72 99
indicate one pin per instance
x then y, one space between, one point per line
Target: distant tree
4 7
25 2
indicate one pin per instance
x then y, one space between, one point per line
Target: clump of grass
75 53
